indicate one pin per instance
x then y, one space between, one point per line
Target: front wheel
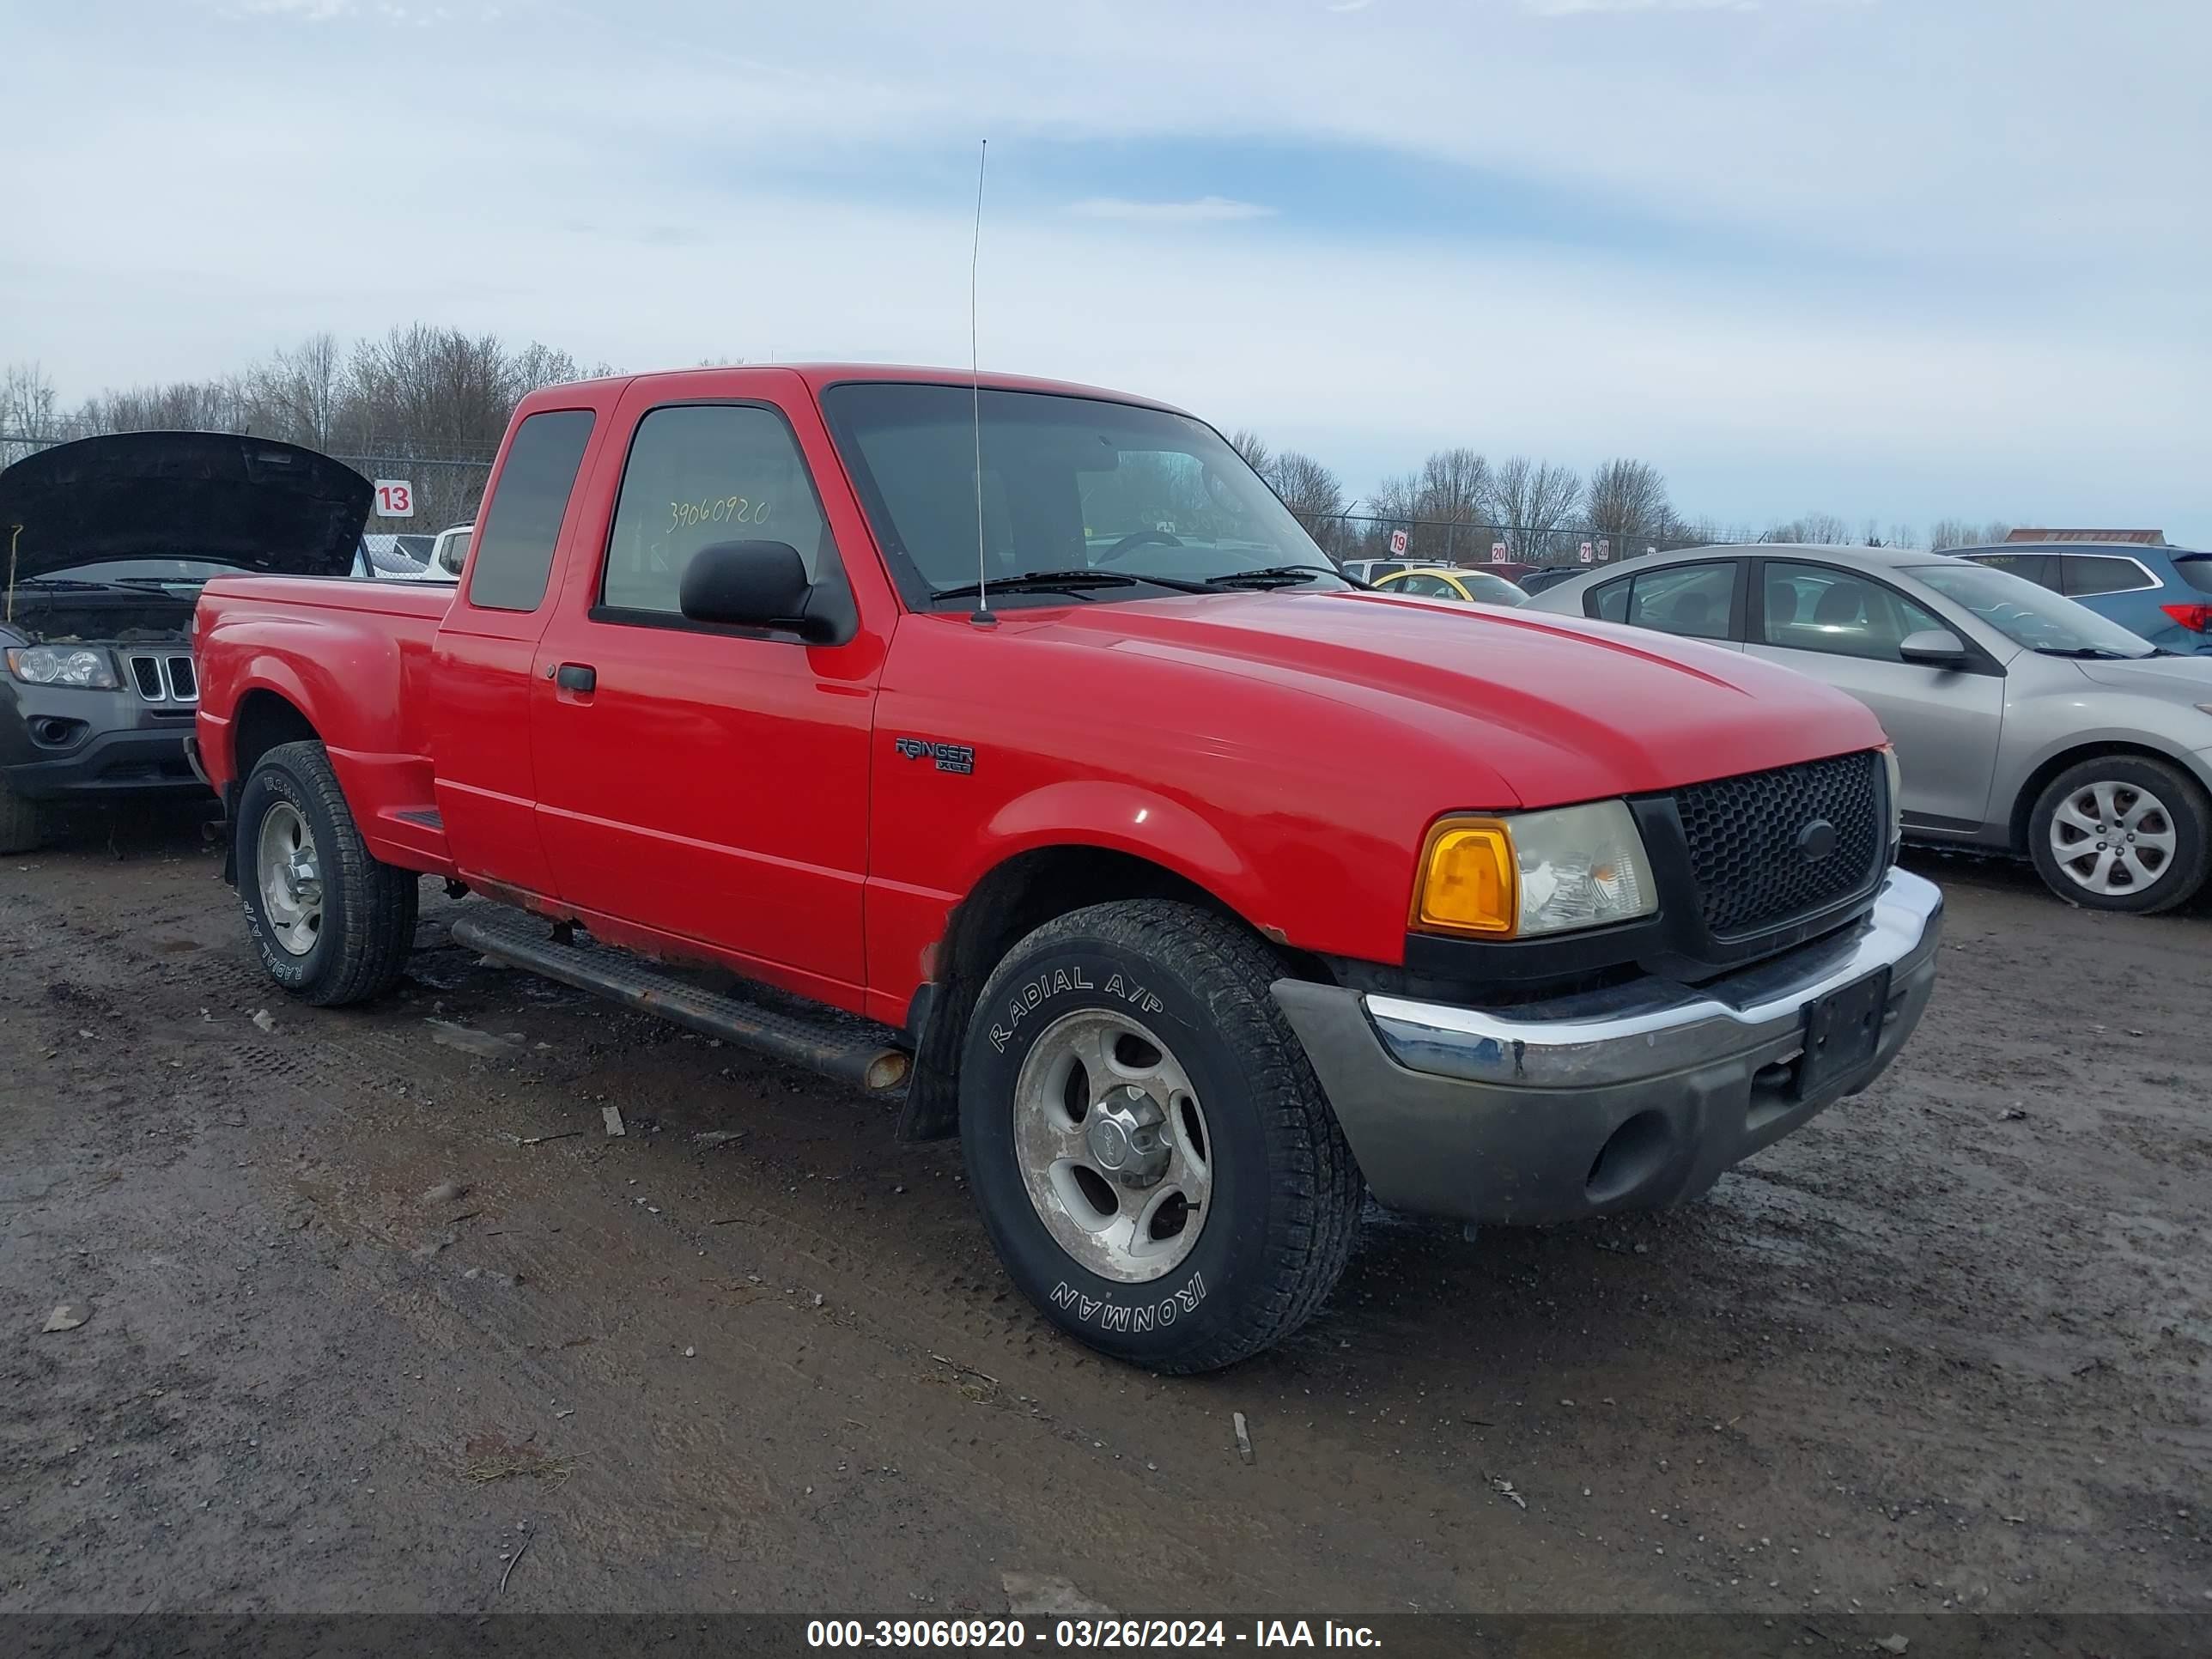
2121 833
332 924
1157 1165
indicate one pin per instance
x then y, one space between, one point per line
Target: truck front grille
1748 841
166 677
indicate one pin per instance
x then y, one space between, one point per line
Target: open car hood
253 503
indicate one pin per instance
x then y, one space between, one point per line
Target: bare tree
180 406
1254 448
1316 496
28 410
1953 532
1903 535
1308 488
1455 486
1533 500
1814 530
297 394
1627 501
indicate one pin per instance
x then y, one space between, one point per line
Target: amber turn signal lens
1469 880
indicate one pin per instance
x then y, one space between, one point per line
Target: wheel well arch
265 719
1011 900
2023 806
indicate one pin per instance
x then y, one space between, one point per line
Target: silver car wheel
1113 1145
290 878
2112 838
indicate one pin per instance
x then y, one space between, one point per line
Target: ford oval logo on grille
1816 841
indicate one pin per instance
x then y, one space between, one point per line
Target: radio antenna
982 612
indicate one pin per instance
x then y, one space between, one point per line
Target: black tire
2176 881
23 824
1278 1226
368 925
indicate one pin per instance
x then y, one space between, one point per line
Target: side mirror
747 584
1936 648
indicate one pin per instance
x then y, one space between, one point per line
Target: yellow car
1470 586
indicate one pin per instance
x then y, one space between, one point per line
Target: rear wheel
23 824
1155 1161
2121 833
333 924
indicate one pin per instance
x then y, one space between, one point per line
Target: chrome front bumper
1632 1096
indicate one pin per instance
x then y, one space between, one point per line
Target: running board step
836 1044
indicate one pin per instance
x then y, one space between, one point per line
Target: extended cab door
710 782
484 653
1841 627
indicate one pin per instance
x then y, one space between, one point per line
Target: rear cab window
515 540
699 475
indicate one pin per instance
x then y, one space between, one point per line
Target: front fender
1120 817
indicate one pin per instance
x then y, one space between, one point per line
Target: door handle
576 677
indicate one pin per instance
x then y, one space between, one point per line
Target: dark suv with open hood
104 545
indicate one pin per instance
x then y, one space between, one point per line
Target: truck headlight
1534 873
63 665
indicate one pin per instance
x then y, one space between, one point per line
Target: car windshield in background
2031 615
1491 590
1119 501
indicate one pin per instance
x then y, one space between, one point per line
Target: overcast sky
1902 258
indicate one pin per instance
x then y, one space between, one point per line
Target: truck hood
1557 709
260 505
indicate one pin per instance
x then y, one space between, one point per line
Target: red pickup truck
1010 745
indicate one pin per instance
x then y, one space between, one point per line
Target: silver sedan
2023 722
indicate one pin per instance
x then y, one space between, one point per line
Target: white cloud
314 11
1975 304
1573 8
1206 209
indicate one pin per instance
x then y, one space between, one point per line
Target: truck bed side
285 658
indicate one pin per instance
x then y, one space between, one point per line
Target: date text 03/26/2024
1085 1633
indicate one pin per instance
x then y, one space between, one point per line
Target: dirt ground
1945 1348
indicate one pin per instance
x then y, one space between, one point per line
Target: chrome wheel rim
1113 1145
291 880
2113 838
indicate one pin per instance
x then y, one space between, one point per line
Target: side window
454 554
1812 607
699 474
1428 587
2041 568
1609 603
515 542
1697 601
2097 573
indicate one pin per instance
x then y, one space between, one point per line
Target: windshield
1069 485
158 571
2030 616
